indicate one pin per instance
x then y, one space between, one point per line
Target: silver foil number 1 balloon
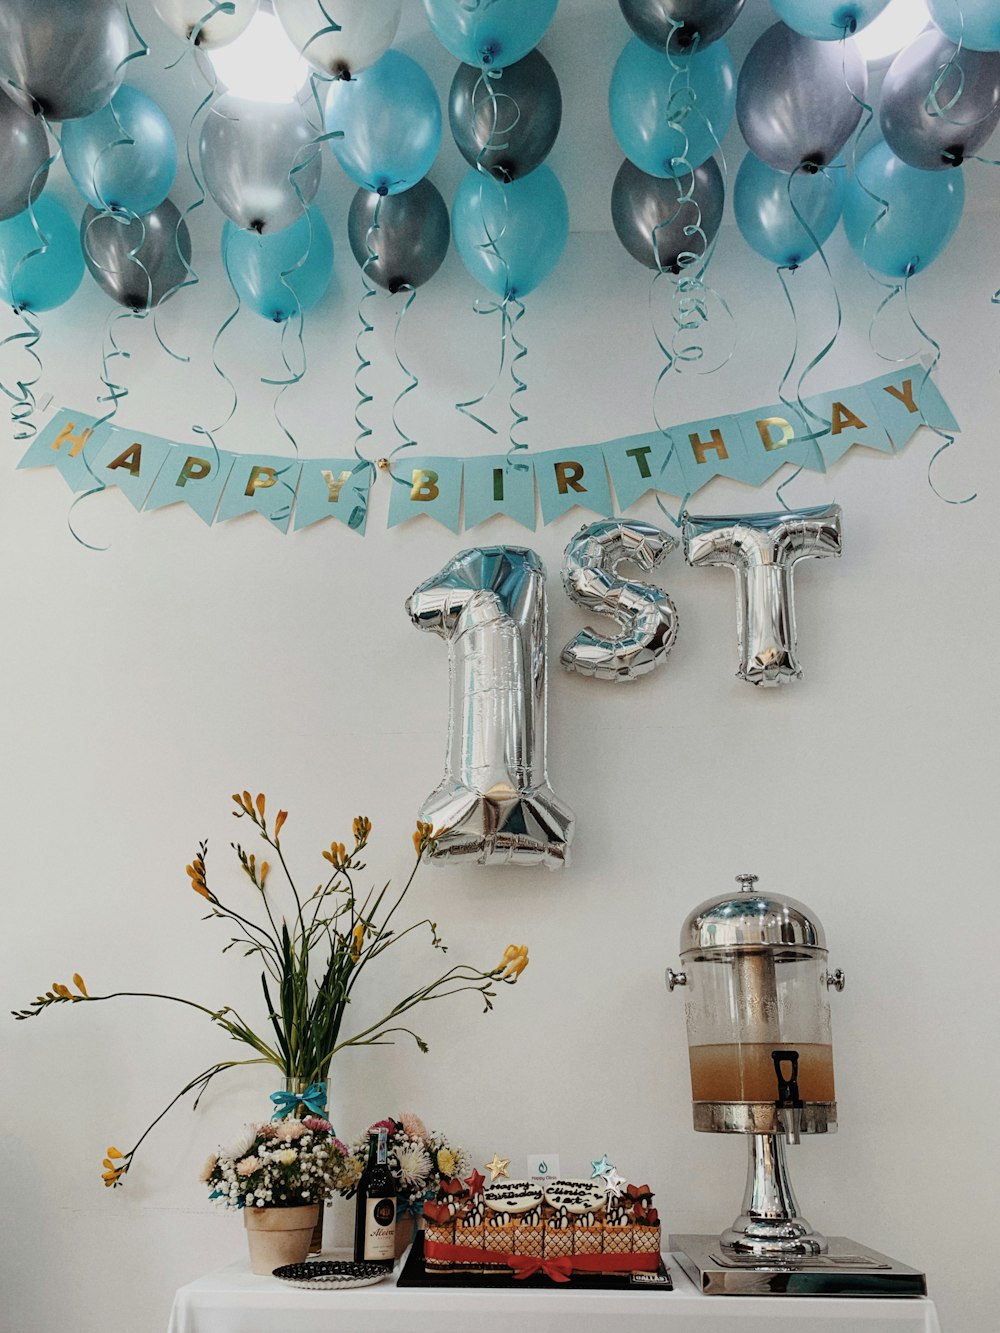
762 549
646 614
494 804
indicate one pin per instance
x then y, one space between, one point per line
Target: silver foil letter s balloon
494 805
762 550
646 614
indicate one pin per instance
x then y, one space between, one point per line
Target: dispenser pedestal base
846 1269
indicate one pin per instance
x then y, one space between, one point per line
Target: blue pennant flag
641 463
905 403
131 461
333 488
568 477
261 484
430 486
852 419
69 443
195 475
500 484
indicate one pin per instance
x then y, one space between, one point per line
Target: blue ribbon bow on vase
313 1098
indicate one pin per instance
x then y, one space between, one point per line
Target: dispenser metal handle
836 980
675 978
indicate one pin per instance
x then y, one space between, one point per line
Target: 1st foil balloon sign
762 550
494 804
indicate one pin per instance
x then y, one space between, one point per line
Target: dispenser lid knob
746 882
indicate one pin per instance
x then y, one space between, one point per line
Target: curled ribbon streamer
518 418
407 440
363 363
209 431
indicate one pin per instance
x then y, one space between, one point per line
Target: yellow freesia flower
358 941
362 828
423 838
513 962
196 871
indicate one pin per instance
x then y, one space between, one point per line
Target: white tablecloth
232 1300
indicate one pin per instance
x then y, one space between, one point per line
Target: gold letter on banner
425 485
130 459
260 479
334 485
498 484
904 394
76 441
568 477
194 469
640 454
842 417
764 427
716 443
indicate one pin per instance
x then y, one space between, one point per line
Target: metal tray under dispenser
846 1269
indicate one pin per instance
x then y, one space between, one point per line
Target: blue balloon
390 118
922 210
766 217
528 221
975 23
112 173
649 91
279 273
828 20
47 279
489 33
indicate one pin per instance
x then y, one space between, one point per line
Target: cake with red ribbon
558 1227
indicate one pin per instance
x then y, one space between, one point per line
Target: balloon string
407 440
331 27
205 430
519 418
23 401
945 436
367 327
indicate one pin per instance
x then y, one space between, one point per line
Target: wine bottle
375 1215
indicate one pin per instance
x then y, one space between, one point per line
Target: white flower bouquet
418 1158
280 1164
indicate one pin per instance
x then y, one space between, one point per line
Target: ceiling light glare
897 26
261 65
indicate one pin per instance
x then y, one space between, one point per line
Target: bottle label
380 1229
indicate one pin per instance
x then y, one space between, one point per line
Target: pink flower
317 1123
267 1130
288 1130
390 1125
248 1166
414 1126
342 1147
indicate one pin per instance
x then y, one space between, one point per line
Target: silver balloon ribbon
209 432
407 441
363 363
518 417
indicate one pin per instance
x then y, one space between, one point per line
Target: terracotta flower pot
278 1236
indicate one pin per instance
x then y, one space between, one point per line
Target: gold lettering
568 477
334 485
131 459
498 483
425 485
194 469
76 441
903 395
260 478
764 428
701 446
640 455
842 417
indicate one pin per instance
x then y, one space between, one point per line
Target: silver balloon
939 105
24 150
506 124
494 803
155 270
646 614
62 60
249 151
364 32
762 550
701 21
797 101
208 22
410 241
645 209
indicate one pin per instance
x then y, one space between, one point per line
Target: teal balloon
110 172
262 268
697 93
828 20
766 217
490 33
975 23
42 281
921 211
390 118
528 221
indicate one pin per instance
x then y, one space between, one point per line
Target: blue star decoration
601 1167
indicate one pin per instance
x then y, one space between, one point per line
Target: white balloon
183 17
366 30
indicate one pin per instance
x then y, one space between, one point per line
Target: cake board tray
414 1274
847 1269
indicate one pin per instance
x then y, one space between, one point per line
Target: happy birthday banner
882 414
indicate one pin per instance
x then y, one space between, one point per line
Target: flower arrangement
280 1165
418 1158
313 954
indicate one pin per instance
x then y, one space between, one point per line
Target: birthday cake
558 1227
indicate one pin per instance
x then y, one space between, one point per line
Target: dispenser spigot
675 978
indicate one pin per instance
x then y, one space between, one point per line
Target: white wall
142 685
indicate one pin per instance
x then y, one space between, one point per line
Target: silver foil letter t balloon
762 550
494 804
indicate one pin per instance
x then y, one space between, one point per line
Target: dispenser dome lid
750 919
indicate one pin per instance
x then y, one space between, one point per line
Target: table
232 1300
